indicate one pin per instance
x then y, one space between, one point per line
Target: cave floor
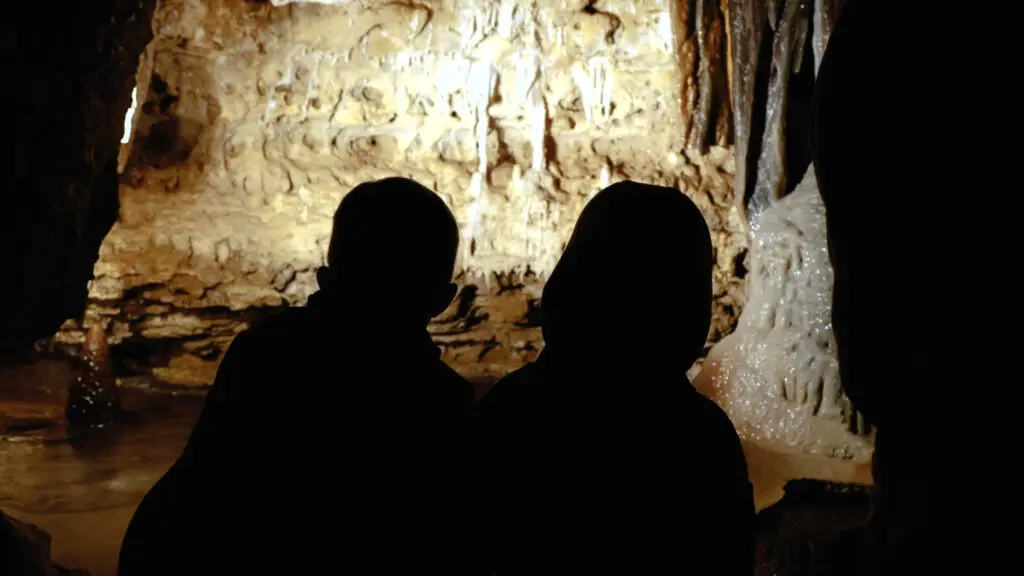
84 494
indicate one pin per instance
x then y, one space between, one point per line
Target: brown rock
275 118
93 399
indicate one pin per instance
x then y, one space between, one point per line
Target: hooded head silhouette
635 279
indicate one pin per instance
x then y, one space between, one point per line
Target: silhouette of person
605 459
334 436
890 269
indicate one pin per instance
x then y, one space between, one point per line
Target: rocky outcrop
71 73
25 550
812 530
259 118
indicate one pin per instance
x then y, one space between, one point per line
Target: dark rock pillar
71 71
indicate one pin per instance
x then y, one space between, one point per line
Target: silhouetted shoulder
452 380
281 328
714 417
514 389
711 420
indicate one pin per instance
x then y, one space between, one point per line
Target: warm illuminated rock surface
260 118
777 375
254 120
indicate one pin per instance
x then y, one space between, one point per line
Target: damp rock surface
258 118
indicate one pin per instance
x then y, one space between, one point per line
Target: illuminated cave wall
259 118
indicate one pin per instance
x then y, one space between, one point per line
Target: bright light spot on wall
128 117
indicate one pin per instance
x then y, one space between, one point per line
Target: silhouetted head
392 252
635 279
883 228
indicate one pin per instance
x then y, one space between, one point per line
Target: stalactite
803 24
595 86
481 81
746 24
773 13
702 112
825 13
771 167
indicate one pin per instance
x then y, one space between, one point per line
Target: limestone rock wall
259 118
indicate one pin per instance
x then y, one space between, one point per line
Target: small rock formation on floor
25 550
808 531
93 399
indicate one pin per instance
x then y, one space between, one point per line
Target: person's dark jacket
327 441
601 457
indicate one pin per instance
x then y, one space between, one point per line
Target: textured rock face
777 376
259 118
75 68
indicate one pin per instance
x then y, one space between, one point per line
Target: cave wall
70 72
259 118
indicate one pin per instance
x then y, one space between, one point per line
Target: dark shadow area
165 136
798 118
806 532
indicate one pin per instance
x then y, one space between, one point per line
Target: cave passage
224 134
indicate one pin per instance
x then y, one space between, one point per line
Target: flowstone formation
777 374
259 117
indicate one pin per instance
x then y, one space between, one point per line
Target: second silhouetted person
604 458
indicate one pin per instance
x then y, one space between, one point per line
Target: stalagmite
771 166
777 375
746 25
93 400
